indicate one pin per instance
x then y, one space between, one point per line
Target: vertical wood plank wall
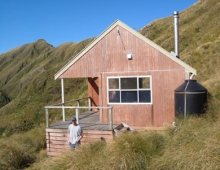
109 55
108 58
160 113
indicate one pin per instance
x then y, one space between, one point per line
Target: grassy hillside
27 85
199 40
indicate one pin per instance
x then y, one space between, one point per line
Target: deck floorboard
89 120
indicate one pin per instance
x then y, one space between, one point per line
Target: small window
114 96
113 83
128 83
129 89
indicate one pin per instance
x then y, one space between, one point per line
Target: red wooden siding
93 90
108 58
109 55
160 112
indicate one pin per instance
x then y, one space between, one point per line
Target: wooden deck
88 121
93 130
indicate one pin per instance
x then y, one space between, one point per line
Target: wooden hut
131 74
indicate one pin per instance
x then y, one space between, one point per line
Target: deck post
47 118
110 118
63 109
77 115
89 103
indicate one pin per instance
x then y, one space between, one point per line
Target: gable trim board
188 68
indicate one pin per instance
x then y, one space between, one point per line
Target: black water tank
190 98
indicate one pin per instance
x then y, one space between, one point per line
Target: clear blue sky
60 21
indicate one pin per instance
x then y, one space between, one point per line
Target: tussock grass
134 151
193 144
129 151
86 157
19 150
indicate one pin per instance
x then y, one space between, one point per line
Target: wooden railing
89 107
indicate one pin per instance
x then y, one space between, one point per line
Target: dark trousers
74 146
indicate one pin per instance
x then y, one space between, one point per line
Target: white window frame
119 77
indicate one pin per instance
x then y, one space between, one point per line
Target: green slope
199 40
27 85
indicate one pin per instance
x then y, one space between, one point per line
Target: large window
129 89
